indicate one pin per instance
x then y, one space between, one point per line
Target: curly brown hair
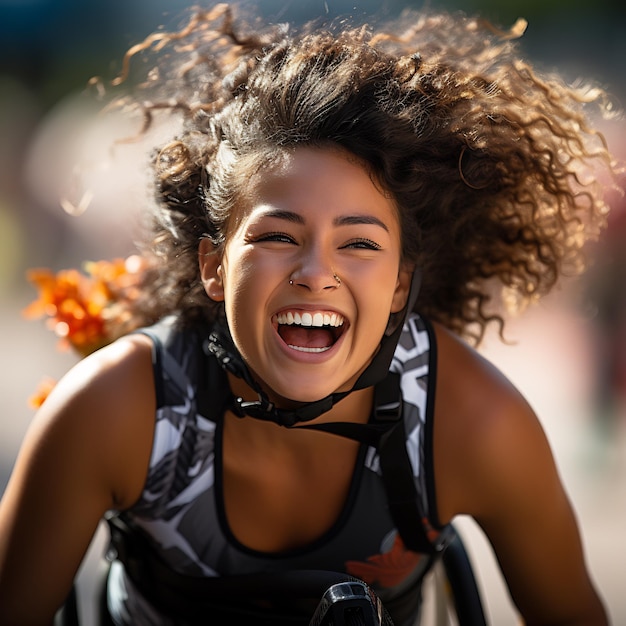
492 166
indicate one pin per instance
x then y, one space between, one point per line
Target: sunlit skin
316 236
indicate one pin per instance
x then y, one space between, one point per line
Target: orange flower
87 310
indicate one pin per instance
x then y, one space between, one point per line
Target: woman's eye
362 244
280 237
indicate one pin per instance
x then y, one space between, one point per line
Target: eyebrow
347 220
341 220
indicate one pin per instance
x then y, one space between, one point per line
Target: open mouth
309 331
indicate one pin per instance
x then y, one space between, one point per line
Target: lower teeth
304 349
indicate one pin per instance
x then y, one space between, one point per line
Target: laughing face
310 274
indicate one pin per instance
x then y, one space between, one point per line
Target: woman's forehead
332 175
309 186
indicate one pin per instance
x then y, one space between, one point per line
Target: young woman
340 212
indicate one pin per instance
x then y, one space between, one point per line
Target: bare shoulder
86 451
485 431
478 390
493 462
106 403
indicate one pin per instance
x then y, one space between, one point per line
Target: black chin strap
220 345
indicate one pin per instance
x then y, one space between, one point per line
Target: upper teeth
310 319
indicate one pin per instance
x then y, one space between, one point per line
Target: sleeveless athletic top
181 509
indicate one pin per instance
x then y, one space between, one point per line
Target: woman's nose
315 273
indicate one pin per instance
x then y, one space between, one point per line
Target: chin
286 398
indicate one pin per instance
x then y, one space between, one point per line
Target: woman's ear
210 260
403 286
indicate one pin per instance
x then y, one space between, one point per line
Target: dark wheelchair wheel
464 589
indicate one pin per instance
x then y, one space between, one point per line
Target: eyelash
367 244
277 236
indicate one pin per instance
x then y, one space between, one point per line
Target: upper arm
493 462
527 516
86 451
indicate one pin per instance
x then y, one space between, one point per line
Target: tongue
306 337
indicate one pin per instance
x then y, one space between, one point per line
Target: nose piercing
334 276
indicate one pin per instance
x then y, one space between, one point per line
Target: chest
288 493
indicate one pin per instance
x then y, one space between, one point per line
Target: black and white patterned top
181 508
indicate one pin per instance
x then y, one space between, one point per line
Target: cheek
239 308
379 298
237 294
244 290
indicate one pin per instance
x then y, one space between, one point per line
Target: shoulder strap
212 391
388 435
397 472
157 366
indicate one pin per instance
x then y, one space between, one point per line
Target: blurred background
567 355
